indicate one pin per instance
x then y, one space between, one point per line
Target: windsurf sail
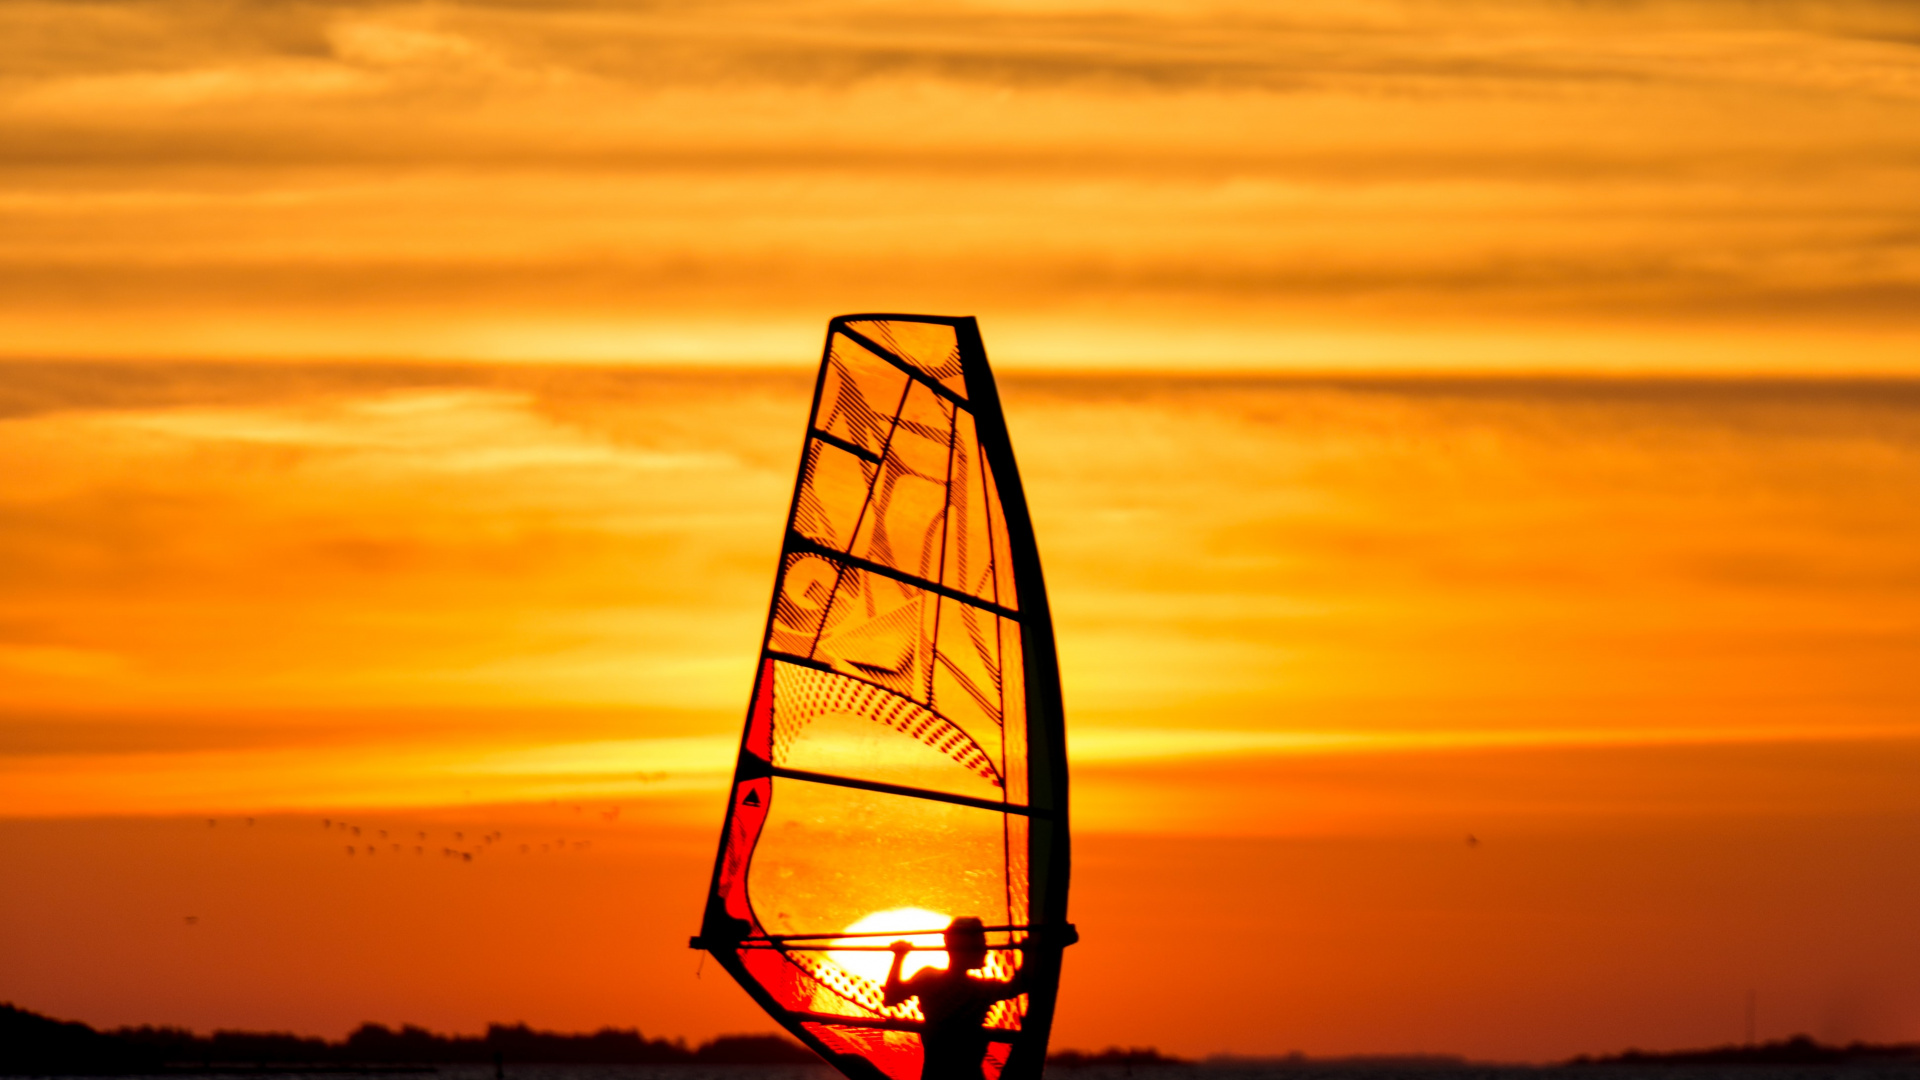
904 758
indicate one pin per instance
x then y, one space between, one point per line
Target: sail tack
903 762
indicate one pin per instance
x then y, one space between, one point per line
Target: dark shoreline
36 1045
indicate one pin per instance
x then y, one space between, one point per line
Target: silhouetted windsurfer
954 1001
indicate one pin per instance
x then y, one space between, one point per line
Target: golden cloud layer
371 581
1500 185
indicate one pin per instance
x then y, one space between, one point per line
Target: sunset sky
1441 421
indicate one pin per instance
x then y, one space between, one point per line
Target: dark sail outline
731 929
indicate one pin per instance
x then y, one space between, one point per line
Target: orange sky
1342 184
1646 641
302 523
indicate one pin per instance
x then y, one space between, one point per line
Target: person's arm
897 990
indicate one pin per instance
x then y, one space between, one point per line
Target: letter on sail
904 760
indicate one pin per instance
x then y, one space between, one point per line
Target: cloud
224 537
510 580
470 180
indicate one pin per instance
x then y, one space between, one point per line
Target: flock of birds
395 842
481 844
370 840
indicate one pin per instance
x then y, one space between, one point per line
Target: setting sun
867 956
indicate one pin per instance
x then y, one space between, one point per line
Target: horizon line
1149 1054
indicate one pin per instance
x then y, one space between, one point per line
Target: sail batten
902 768
800 542
917 793
853 329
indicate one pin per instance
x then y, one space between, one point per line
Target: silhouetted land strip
1798 1050
1113 1055
31 1044
1368 1064
35 1045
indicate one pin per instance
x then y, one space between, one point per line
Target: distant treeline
31 1044
1112 1055
1798 1050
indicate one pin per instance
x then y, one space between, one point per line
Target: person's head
966 943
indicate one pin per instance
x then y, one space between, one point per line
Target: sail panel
746 815
930 347
896 1054
969 548
904 526
831 856
875 629
807 584
833 725
968 666
860 395
1014 727
833 494
905 705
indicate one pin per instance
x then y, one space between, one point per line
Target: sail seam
946 534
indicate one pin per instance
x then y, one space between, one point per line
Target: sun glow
929 949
